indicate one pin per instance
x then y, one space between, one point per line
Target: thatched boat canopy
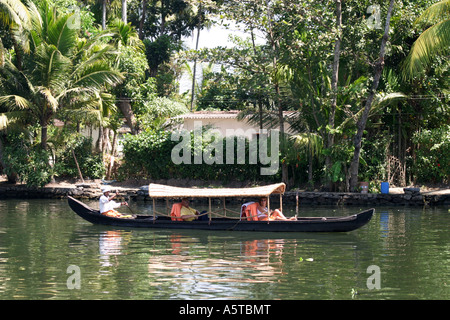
163 191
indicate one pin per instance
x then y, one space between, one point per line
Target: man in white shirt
108 206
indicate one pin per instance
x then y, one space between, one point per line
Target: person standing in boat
108 205
258 211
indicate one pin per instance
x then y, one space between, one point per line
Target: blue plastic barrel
385 187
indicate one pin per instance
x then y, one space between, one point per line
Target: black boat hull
306 224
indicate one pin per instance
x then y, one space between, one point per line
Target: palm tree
310 144
16 17
14 12
59 71
125 35
433 41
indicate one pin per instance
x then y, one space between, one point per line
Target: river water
48 252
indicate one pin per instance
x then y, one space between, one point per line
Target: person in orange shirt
259 211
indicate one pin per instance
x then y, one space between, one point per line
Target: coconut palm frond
433 41
14 120
62 35
297 122
52 67
14 102
126 34
14 12
97 75
434 13
49 98
380 101
90 55
268 118
13 80
3 121
312 143
94 106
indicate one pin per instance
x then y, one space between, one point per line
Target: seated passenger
190 214
258 212
175 212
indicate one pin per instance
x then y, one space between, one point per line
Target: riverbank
92 190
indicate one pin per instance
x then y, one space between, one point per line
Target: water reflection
205 265
384 223
111 243
214 269
40 239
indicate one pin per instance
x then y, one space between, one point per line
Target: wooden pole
210 214
281 203
224 208
154 208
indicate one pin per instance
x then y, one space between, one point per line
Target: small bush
432 161
29 162
148 155
91 165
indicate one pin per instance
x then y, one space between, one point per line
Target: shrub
432 155
148 155
29 162
91 165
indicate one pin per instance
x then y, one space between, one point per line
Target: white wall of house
226 122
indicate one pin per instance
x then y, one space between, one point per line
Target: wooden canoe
303 224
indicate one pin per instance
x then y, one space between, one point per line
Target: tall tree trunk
113 155
125 107
194 71
361 124
141 22
260 110
44 135
2 54
104 15
334 81
259 99
106 142
275 46
18 53
163 19
78 167
124 11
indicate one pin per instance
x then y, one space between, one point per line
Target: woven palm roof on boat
163 191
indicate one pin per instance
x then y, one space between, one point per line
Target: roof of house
231 114
210 115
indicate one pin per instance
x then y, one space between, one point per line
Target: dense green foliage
292 70
432 161
149 155
90 66
29 162
78 151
